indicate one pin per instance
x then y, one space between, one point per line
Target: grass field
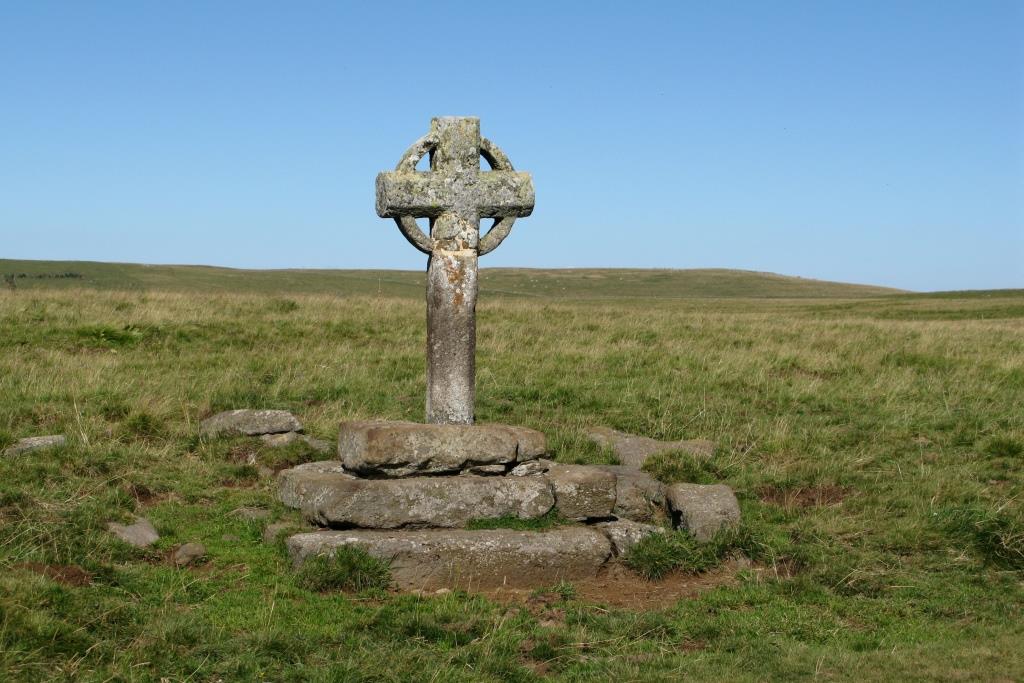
875 440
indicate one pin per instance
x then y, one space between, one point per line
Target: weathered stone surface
402 449
308 482
638 495
624 533
139 534
702 509
531 468
633 450
486 470
188 553
288 438
431 559
334 499
582 492
247 422
454 194
34 443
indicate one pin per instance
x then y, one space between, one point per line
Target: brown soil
804 497
69 575
144 496
617 586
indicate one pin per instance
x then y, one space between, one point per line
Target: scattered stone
634 450
402 449
461 559
581 491
638 495
247 422
140 534
288 438
35 443
702 509
624 534
187 554
342 500
531 468
251 513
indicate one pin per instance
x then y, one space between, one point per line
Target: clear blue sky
878 142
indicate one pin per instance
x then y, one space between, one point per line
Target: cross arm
410 194
504 193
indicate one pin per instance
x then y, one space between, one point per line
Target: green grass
347 569
874 441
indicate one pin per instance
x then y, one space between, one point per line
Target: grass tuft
996 536
349 569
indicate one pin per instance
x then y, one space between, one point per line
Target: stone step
335 498
402 449
432 559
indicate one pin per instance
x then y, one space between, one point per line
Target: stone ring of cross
454 194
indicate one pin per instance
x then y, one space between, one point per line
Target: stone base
401 449
336 498
470 560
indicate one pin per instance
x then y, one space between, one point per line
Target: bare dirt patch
618 586
68 575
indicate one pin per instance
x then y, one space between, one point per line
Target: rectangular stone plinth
402 449
431 559
341 500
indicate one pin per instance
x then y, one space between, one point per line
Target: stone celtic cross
454 194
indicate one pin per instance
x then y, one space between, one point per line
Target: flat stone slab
634 450
582 492
247 422
35 443
140 534
701 509
338 499
401 449
432 559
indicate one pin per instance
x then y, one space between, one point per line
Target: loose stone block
638 495
624 534
633 450
34 443
702 509
247 422
581 491
432 559
338 499
402 449
188 553
139 534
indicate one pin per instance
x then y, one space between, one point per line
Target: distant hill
575 283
